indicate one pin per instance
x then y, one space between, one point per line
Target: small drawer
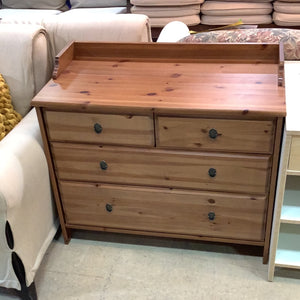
100 128
161 210
152 167
215 134
294 162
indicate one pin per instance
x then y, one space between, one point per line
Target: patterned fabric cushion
289 37
8 116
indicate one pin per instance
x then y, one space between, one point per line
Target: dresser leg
266 255
67 233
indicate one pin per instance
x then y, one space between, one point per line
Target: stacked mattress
223 12
161 12
286 12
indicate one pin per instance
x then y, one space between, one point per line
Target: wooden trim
163 234
273 182
220 52
65 231
63 59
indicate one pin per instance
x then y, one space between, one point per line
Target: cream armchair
28 220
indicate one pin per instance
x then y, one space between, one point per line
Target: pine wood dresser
171 140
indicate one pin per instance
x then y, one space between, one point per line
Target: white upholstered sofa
28 219
27 215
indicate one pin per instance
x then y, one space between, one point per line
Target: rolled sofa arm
25 200
28 219
63 29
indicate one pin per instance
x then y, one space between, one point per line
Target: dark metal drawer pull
109 207
98 128
103 165
213 133
212 172
211 216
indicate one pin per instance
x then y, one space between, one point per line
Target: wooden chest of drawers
169 140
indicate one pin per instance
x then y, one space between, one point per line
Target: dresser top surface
167 81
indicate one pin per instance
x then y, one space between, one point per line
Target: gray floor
112 267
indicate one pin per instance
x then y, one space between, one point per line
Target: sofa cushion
260 1
97 3
188 20
282 19
287 8
218 8
25 62
26 16
167 11
39 4
165 2
9 118
86 12
96 28
225 20
289 37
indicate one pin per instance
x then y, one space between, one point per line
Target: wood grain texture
234 173
65 231
238 53
156 103
64 58
115 129
231 135
272 185
164 210
245 87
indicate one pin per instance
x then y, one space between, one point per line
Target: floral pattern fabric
289 37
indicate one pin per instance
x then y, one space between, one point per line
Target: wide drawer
215 134
165 211
294 162
100 128
206 171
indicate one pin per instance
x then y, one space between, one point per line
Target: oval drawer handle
212 172
213 133
108 207
103 165
98 128
211 216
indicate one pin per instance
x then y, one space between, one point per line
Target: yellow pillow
8 116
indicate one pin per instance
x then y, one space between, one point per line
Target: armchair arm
25 200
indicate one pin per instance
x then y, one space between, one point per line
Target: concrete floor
105 266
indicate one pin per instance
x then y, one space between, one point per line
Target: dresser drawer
215 134
162 210
151 167
100 128
294 162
